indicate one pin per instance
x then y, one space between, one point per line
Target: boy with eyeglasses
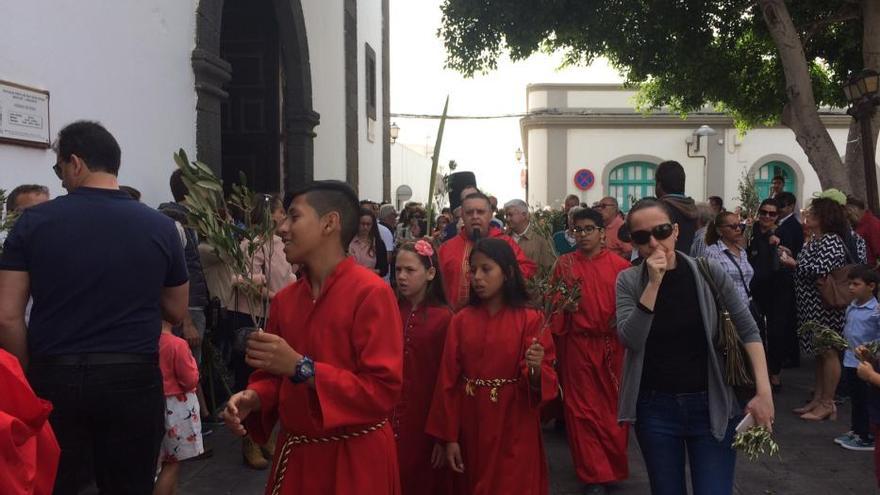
591 356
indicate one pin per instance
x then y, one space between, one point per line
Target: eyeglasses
734 226
660 232
768 213
601 206
57 169
589 229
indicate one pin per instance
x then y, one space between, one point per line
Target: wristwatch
305 369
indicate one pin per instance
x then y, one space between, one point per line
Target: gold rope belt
493 384
293 440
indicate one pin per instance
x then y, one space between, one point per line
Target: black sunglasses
659 232
735 226
768 213
57 169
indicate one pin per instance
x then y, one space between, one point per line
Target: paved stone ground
809 462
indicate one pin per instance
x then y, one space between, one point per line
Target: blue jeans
667 426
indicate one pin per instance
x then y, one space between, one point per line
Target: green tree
764 61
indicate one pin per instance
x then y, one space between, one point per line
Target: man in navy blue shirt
103 271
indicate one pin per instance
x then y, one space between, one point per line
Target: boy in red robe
476 210
591 357
329 364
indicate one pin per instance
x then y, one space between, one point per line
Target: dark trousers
241 372
858 394
775 298
114 413
673 427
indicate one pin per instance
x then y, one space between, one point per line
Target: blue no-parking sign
584 179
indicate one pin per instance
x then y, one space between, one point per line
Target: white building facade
285 91
596 127
410 173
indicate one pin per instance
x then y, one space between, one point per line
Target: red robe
28 450
454 264
501 443
353 333
424 332
590 364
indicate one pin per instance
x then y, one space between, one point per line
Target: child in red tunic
496 373
425 316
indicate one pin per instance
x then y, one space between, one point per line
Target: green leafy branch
209 213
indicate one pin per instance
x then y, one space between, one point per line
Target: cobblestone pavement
809 462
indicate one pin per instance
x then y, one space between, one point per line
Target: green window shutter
630 182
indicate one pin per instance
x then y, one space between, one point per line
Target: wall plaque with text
24 115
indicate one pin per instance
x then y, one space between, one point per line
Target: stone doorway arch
212 72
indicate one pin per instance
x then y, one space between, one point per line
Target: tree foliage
682 54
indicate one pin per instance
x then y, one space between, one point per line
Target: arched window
764 176
630 182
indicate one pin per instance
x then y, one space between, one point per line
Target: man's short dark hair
326 196
778 178
589 214
670 177
178 188
12 199
785 199
716 200
92 143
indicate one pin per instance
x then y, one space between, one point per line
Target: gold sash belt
293 440
493 384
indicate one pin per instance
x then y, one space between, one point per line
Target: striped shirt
732 266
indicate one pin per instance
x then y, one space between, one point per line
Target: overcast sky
419 85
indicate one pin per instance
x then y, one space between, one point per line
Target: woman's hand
438 456
657 264
761 407
453 457
785 257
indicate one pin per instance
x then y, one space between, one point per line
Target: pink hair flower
424 248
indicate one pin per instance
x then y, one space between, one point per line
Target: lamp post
393 132
861 92
694 138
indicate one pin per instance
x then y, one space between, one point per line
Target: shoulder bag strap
703 265
741 276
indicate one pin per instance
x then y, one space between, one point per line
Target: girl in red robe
495 374
425 316
591 356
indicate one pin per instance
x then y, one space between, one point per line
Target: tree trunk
801 113
854 160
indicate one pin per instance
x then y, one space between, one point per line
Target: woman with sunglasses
772 287
726 245
673 389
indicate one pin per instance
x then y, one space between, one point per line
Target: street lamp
861 92
694 139
393 132
703 130
518 154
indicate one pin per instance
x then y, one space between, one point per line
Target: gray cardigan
633 325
